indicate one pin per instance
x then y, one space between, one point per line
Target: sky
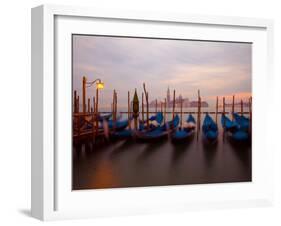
124 64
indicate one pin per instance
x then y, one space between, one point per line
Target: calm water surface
128 163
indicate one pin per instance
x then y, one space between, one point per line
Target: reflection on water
129 163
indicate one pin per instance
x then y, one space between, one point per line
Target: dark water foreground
133 164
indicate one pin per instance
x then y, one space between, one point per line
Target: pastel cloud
216 68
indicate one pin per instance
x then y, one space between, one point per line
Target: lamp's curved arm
93 82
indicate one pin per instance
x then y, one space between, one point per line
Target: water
133 164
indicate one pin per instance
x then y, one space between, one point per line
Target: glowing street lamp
99 85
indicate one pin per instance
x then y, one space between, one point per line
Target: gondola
158 117
242 121
210 129
228 125
171 125
118 125
155 120
183 134
190 123
106 116
123 134
233 130
159 132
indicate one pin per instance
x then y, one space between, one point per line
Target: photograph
149 111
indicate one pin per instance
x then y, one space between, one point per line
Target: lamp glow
100 85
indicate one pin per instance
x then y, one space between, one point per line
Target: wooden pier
87 124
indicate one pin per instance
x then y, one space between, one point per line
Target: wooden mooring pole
97 112
242 108
94 105
75 102
181 113
250 114
174 103
217 108
115 110
147 106
156 105
233 106
84 94
223 112
89 105
198 115
142 108
129 105
78 104
165 111
147 111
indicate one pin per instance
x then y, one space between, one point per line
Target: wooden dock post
223 112
78 104
113 105
250 114
129 105
217 107
89 105
94 105
93 119
78 124
142 108
198 114
174 103
165 107
156 105
84 94
147 106
223 105
242 107
75 102
233 106
97 112
147 111
115 110
181 113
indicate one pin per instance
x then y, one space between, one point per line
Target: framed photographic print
136 112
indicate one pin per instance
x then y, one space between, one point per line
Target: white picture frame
52 197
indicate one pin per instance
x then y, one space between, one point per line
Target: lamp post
99 85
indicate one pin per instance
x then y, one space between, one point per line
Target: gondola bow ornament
135 108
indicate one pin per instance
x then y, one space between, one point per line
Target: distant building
185 102
195 104
170 101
